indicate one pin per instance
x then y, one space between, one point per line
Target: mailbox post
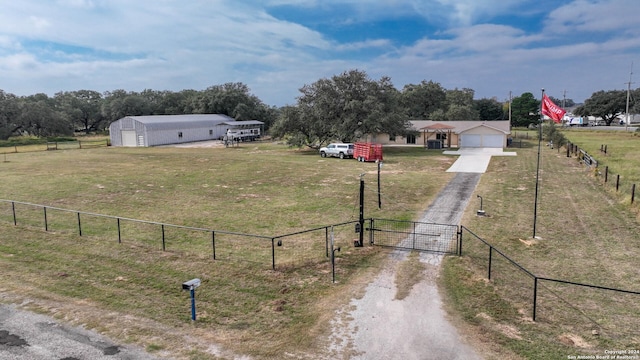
191 285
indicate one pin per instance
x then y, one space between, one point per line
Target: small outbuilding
154 130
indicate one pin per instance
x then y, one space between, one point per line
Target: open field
131 291
584 234
621 158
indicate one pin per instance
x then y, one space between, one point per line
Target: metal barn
153 130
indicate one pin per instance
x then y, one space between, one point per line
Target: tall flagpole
535 202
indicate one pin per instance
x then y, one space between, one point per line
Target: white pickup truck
338 150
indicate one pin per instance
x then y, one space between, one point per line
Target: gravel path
376 326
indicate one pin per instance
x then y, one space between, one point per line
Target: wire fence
282 251
583 309
615 182
54 145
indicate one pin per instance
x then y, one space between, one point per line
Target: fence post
490 253
163 243
13 209
606 173
568 147
46 226
605 149
273 254
633 192
414 236
460 241
371 231
79 225
213 244
535 296
119 235
617 182
326 241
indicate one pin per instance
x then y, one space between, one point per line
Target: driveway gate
413 235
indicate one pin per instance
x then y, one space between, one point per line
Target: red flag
552 110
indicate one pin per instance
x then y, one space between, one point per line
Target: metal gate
413 235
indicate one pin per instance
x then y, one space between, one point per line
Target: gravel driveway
376 326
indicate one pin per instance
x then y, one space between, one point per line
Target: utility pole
626 123
510 99
535 201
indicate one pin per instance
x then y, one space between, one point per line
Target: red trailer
365 151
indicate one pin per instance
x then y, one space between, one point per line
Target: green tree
344 108
9 115
120 103
39 117
525 110
489 109
420 100
82 108
606 105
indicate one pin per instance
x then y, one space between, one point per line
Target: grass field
621 158
243 305
131 291
584 234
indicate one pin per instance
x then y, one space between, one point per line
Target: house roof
438 126
462 125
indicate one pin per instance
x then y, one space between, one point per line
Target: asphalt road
28 336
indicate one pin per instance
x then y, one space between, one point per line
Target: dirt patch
574 340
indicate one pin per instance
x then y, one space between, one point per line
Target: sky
498 48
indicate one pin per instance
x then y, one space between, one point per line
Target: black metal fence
586 309
413 235
289 250
54 145
611 180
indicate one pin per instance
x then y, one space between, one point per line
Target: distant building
154 130
451 134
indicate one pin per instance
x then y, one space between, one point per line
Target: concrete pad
474 160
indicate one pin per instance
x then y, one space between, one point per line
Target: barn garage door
128 137
482 140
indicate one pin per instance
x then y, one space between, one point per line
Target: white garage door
493 141
471 140
128 137
482 140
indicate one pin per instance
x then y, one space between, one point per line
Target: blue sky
571 48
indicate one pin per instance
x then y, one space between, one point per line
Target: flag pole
535 202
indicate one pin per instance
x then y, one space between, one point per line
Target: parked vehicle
338 150
250 134
365 151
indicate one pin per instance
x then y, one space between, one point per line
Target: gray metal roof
245 122
160 122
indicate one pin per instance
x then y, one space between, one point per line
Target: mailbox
191 284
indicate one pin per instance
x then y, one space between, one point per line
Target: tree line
90 111
343 107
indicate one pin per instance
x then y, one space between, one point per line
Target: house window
180 135
210 132
411 139
392 138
